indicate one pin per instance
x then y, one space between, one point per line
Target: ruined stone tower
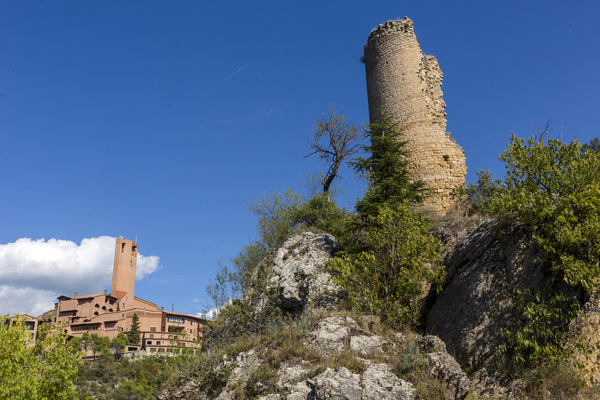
407 85
123 280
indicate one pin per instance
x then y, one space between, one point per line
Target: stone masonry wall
407 84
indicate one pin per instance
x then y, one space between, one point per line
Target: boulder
288 375
380 384
487 384
431 344
444 368
337 384
483 274
298 273
301 391
366 344
247 362
332 334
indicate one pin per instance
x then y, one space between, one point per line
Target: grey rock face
431 344
488 384
366 344
484 272
301 392
337 384
298 273
380 384
288 374
331 334
246 362
445 369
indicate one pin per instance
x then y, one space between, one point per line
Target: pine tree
134 333
386 170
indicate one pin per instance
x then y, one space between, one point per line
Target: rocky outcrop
380 384
247 363
377 383
338 384
483 275
298 273
445 369
366 345
585 330
332 334
487 384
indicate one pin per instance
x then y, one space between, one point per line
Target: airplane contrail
217 84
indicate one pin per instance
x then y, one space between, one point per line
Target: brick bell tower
123 280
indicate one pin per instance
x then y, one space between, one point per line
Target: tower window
122 247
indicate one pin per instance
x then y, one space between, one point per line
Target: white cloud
34 272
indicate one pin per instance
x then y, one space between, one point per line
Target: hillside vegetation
387 263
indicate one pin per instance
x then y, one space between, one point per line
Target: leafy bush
322 213
477 198
275 217
35 370
555 189
540 337
388 278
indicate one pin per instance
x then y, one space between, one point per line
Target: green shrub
477 198
554 189
388 279
275 217
322 213
542 323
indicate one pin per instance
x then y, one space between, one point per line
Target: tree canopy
35 370
385 170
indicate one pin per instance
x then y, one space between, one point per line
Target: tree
134 332
100 345
118 344
555 190
40 370
388 278
85 342
275 221
334 141
386 170
592 145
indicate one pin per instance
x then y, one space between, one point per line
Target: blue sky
162 121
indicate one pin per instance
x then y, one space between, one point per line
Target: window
158 342
151 335
97 305
152 350
122 247
149 342
152 329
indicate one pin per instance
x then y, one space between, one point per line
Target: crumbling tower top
407 85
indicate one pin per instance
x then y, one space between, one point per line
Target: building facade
108 314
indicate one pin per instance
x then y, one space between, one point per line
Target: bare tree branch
334 140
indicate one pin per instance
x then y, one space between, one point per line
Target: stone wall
407 84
